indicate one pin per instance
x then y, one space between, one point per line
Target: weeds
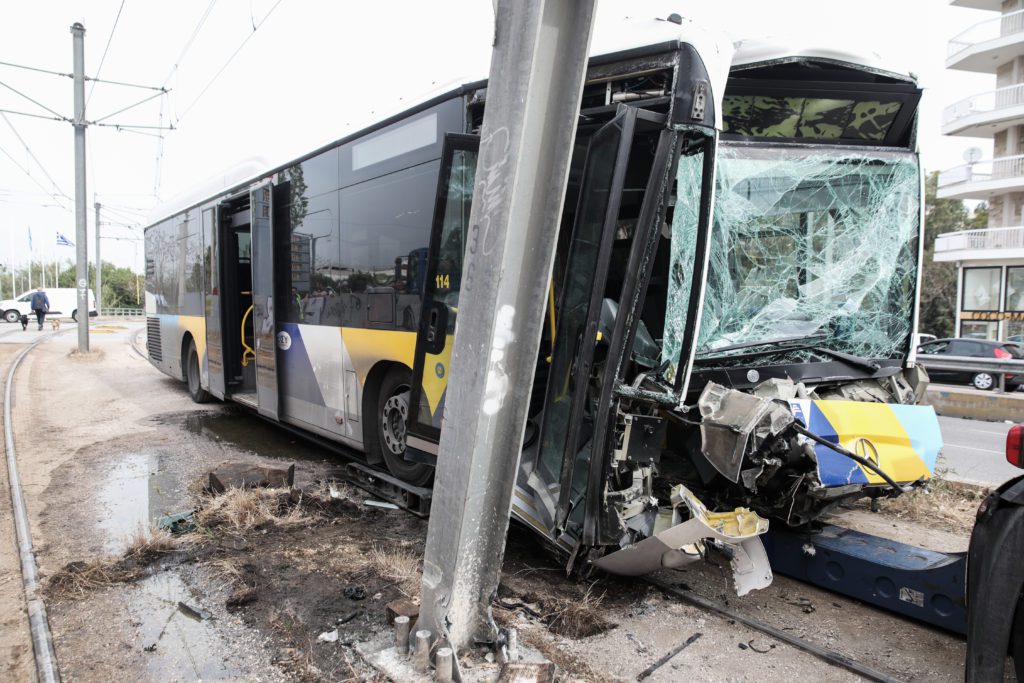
75 579
401 566
240 510
577 618
945 503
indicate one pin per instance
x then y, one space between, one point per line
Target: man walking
40 305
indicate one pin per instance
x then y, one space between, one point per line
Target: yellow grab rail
248 354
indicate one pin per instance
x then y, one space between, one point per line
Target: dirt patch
77 578
90 356
942 504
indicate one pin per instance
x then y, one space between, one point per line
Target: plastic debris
328 636
178 523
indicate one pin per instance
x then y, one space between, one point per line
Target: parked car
976 348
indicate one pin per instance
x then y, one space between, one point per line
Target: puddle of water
175 646
131 498
248 432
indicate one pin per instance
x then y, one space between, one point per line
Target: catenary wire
34 157
228 62
34 101
110 38
14 161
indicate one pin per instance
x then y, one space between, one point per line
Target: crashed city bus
729 335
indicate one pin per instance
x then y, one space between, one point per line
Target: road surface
975 452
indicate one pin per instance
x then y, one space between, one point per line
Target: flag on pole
63 241
30 238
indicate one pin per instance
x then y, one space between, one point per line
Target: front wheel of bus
392 416
195 386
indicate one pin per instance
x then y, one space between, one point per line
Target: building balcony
996 244
993 5
988 44
985 114
983 179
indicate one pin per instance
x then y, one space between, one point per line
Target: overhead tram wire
33 68
105 50
227 63
34 116
35 102
158 158
34 157
50 194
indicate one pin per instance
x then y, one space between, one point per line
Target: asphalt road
975 451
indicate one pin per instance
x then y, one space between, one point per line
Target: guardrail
124 312
993 366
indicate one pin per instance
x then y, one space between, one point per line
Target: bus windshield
818 243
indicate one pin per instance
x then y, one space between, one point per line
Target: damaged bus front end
753 361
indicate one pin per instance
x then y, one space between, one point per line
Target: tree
938 285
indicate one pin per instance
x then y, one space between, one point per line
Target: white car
63 304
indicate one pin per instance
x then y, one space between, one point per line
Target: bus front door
558 467
440 296
264 330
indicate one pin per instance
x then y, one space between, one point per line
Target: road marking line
970 448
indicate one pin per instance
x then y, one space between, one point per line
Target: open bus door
214 337
441 286
264 330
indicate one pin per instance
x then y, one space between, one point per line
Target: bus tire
192 375
390 424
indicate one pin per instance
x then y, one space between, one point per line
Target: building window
981 289
974 329
1015 289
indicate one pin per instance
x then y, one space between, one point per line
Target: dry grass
401 566
943 503
240 510
576 618
75 579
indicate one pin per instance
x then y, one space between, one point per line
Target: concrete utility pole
82 265
99 264
533 98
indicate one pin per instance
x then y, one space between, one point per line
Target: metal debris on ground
197 613
665 658
771 646
526 672
354 593
243 475
380 504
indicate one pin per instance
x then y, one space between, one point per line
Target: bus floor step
415 499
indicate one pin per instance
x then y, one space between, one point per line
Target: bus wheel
195 386
392 414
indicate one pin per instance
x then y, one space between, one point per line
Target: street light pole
538 66
81 245
99 264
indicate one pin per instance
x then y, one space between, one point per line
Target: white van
63 304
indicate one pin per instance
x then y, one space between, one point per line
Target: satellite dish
972 155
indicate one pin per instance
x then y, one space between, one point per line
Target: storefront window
981 289
979 330
1015 289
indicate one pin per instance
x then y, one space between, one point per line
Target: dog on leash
56 324
24 322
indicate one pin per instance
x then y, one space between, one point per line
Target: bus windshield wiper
795 343
774 344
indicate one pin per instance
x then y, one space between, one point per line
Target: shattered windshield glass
805 242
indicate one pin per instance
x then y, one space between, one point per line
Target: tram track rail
39 625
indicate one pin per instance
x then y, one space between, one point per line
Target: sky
272 79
